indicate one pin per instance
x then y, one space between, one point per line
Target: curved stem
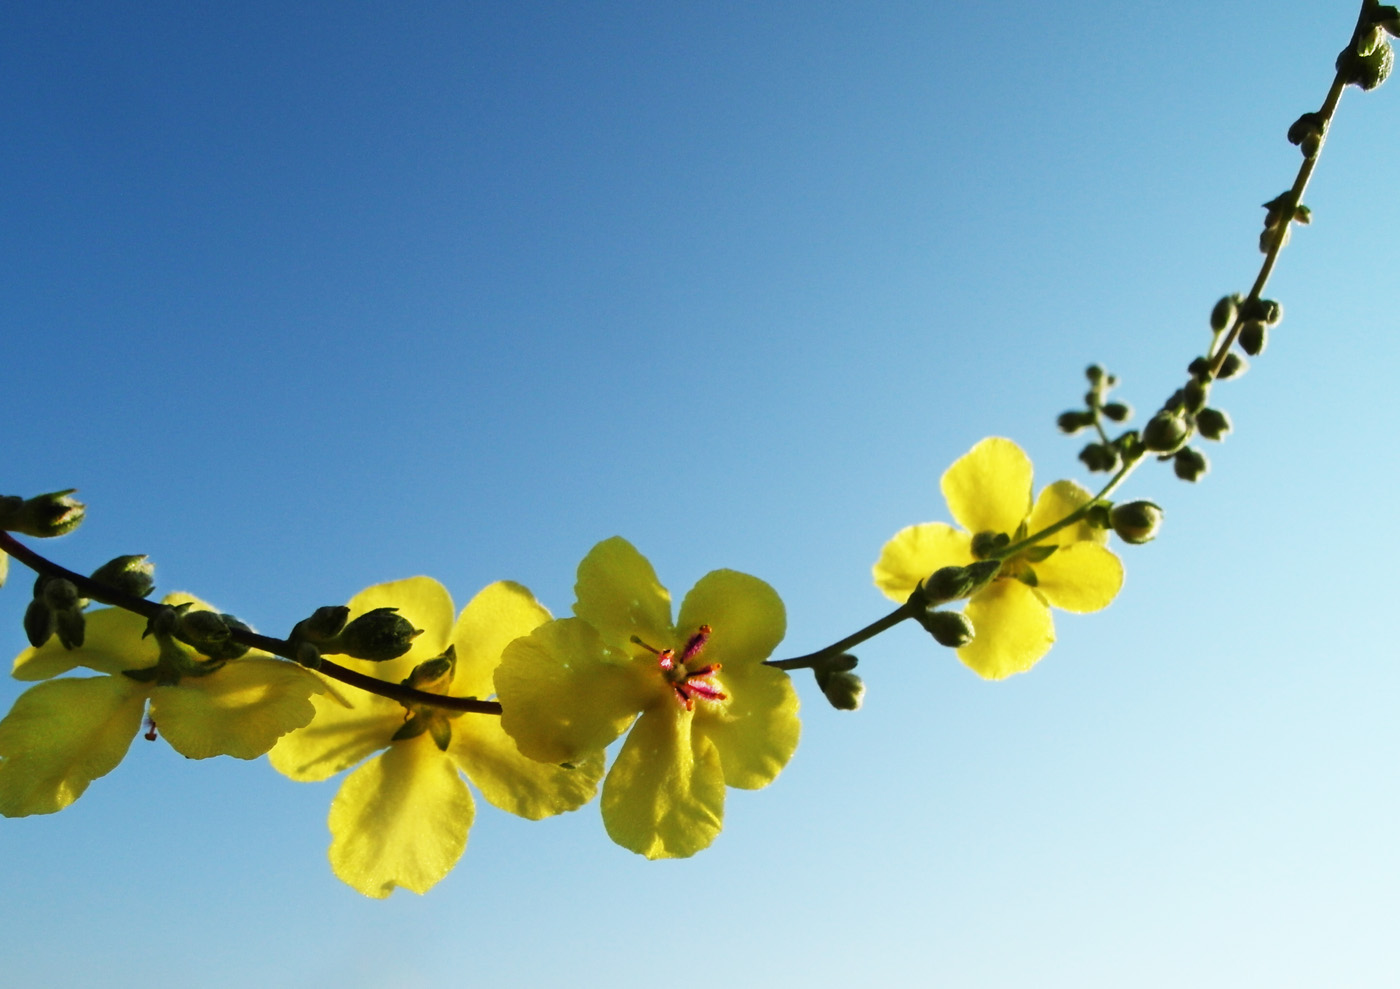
90 588
904 611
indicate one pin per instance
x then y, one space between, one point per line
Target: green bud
952 583
1165 432
1367 71
1136 522
70 624
1213 424
1073 422
1222 317
1307 132
308 655
1194 395
58 593
1389 20
1189 464
323 625
1098 457
376 636
948 628
39 623
1263 310
204 630
1254 337
1094 373
42 516
132 575
434 674
1232 367
844 690
1118 411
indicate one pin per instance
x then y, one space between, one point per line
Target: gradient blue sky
308 297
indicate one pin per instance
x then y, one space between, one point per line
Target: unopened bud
433 674
1370 70
1118 411
38 623
1099 457
1136 521
1254 337
323 625
1222 317
948 628
1194 395
42 516
133 575
844 690
1165 432
376 636
1232 367
1213 424
952 583
1072 422
1190 465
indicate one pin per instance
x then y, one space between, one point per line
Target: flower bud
1118 411
70 624
1367 71
952 583
1213 424
1222 317
1307 132
42 516
133 575
1254 337
1136 522
948 628
1194 395
1094 373
1165 432
844 690
58 593
1072 422
323 625
39 623
1098 457
1189 464
434 674
1232 367
376 636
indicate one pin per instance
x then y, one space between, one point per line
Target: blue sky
306 299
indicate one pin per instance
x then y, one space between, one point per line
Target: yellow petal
988 489
400 820
1080 577
338 736
1013 630
619 595
4 566
664 796
1057 501
514 782
917 551
425 604
755 730
60 736
746 618
239 710
562 700
111 643
498 615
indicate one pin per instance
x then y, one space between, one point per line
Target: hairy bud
1136 522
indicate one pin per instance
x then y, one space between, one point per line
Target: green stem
904 611
89 588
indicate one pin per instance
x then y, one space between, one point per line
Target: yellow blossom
989 493
65 732
401 819
708 714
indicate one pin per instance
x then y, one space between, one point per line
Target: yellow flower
66 732
402 818
988 491
711 714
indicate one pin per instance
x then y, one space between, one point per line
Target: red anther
666 659
696 643
683 695
150 735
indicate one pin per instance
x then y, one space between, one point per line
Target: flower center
687 675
